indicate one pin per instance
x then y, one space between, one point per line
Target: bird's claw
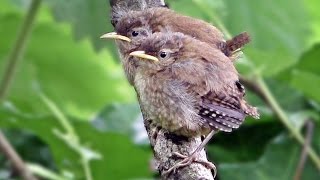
187 160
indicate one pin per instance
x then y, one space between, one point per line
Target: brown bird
188 88
160 19
127 44
134 26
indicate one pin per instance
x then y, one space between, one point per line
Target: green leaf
312 6
112 118
278 162
305 76
276 41
291 102
270 23
309 62
71 73
308 83
268 63
120 158
89 19
245 144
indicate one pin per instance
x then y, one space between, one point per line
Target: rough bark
163 143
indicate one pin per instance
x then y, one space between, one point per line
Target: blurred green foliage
81 75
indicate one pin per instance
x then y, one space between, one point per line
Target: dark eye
163 54
134 33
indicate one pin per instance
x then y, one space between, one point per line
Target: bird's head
159 50
130 31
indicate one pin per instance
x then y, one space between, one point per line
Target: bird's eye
134 33
163 54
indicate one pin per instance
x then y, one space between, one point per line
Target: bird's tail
233 45
250 110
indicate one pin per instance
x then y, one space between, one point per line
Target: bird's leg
187 160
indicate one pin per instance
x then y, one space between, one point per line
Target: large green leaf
88 18
80 81
278 162
306 74
276 43
245 144
112 118
120 158
312 6
270 23
309 61
308 83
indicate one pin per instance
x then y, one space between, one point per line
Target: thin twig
271 100
304 153
13 60
14 158
70 136
18 49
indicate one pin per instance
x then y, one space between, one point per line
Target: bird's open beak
114 35
143 55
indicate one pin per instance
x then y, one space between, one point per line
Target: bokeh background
70 109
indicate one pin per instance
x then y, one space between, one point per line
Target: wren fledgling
160 19
188 88
134 26
126 45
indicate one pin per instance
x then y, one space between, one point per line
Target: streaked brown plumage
137 25
160 19
189 87
203 76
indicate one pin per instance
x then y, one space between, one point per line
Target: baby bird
131 27
135 26
128 43
160 19
188 88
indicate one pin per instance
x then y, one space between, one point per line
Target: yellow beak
114 35
143 55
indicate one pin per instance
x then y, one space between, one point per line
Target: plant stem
285 120
13 59
18 49
86 166
65 123
304 154
44 173
70 136
15 159
265 91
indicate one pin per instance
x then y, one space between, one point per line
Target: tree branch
14 158
163 143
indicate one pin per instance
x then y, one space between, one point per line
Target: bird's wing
222 110
213 80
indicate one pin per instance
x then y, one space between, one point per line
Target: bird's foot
187 160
